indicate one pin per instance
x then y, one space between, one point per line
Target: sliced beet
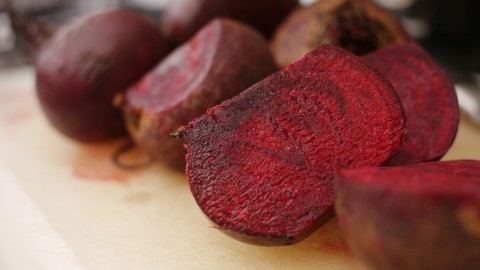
419 217
222 60
428 97
359 26
261 164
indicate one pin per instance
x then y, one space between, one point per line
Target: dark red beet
428 97
185 17
418 217
359 26
87 62
222 60
261 164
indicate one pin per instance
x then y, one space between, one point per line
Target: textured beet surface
86 63
185 17
261 164
359 26
428 97
222 60
421 217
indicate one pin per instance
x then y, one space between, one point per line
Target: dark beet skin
428 97
359 26
222 60
185 17
418 217
81 68
261 164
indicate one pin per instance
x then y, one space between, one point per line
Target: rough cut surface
428 97
261 164
421 217
359 26
222 60
86 63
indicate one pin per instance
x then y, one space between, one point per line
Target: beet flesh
421 216
428 97
223 59
183 18
86 63
359 26
261 164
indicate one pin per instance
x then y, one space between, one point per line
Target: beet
85 63
359 26
418 217
261 164
183 18
428 97
222 60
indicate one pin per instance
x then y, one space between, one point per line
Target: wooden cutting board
64 205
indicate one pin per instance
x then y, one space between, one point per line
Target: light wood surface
64 205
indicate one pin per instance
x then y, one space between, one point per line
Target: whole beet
86 63
184 17
422 216
221 60
359 26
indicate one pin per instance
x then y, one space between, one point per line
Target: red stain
95 163
16 118
331 240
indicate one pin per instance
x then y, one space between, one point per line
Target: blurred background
449 30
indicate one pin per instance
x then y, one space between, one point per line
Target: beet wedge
261 164
220 61
419 217
428 97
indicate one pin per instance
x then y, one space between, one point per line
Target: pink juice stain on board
331 240
96 163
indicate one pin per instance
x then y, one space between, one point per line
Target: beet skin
428 97
359 26
183 18
261 165
222 60
81 68
419 217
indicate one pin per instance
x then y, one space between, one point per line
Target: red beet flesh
81 68
185 17
428 97
261 164
421 217
222 60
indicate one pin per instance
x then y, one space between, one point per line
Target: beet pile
268 153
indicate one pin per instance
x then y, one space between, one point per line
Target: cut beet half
219 62
261 164
419 217
428 97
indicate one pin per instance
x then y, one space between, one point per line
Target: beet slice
419 217
428 97
261 164
359 26
223 59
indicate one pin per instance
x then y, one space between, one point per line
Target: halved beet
222 60
428 97
419 217
261 164
359 26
